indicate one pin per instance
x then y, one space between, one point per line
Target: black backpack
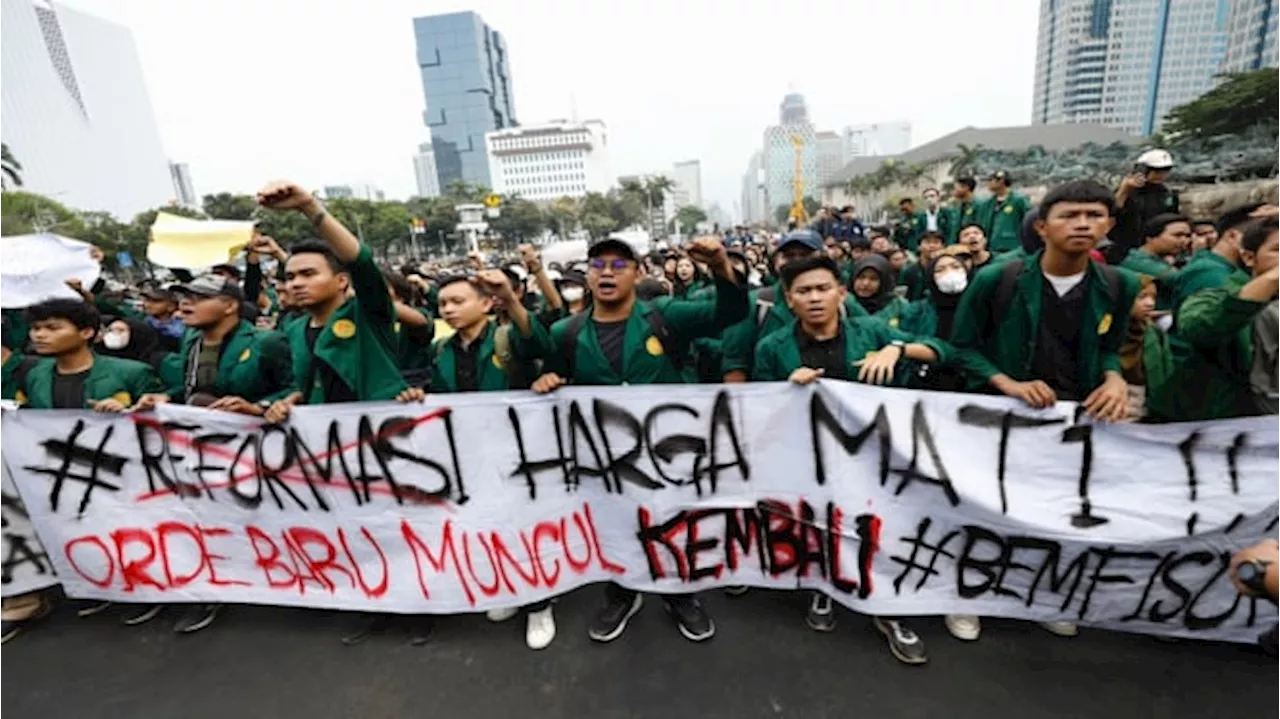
657 326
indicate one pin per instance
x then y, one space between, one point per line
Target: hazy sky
329 92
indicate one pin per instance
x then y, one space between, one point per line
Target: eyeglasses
617 264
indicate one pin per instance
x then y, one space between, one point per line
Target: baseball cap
211 286
229 269
156 292
614 245
808 238
999 175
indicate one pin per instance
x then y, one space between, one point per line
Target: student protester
1050 326
963 209
769 311
899 262
909 225
689 279
1209 270
627 341
131 339
414 329
936 218
1232 331
161 308
572 287
873 290
1165 237
1203 235
974 239
68 375
1145 361
946 279
1001 214
821 343
1141 196
836 250
913 277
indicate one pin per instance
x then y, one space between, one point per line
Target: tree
518 221
1241 101
226 206
688 216
966 160
22 213
462 192
287 228
657 188
9 168
628 207
113 237
563 216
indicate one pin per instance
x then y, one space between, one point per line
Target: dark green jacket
493 372
13 374
778 355
255 364
740 340
987 346
891 314
912 277
1213 355
109 378
1141 262
1003 220
645 360
959 214
907 230
358 342
1205 271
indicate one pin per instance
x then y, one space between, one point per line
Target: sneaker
963 626
365 625
502 615
822 613
692 620
1062 629
196 617
611 622
9 628
143 614
541 629
737 590
90 607
906 645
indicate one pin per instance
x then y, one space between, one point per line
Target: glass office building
466 80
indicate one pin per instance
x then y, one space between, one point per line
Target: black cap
211 286
228 269
156 292
614 245
808 238
573 277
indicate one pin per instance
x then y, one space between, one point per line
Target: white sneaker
502 615
966 627
1062 629
541 629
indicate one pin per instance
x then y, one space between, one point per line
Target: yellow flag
182 242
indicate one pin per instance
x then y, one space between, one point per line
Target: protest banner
37 267
24 566
894 502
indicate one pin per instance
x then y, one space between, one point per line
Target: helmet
1156 159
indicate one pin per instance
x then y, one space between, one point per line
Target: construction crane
798 214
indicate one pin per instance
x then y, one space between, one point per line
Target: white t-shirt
1063 285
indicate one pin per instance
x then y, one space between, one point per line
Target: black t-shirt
827 355
1057 355
68 390
612 336
332 386
466 373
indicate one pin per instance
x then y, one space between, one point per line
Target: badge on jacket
344 329
653 346
1105 324
244 356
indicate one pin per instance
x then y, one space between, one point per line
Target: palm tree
658 186
9 168
967 158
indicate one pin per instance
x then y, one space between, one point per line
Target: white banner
894 502
24 567
37 267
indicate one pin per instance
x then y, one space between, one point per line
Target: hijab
885 295
143 346
944 305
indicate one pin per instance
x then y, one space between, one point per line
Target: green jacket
13 374
1205 271
958 215
912 277
645 360
414 348
907 230
255 364
109 378
1213 355
987 346
494 373
1003 220
740 340
778 355
1141 262
358 342
891 314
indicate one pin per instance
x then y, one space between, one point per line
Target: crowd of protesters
1106 298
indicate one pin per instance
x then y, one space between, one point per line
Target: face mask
115 340
572 294
952 283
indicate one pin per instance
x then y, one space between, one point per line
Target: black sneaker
822 613
611 622
693 621
736 590
906 645
143 614
196 617
90 607
364 626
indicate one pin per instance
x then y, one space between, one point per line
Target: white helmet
1156 159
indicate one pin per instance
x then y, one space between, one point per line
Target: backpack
657 326
502 350
1012 270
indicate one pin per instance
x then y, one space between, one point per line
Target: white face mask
952 283
115 340
572 293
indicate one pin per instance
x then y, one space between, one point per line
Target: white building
1126 63
793 134
688 189
183 191
424 171
550 161
753 189
877 138
1251 35
831 155
354 191
76 112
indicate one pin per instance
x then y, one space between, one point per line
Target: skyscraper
1126 63
793 134
877 138
688 179
1251 35
76 111
466 81
424 171
752 202
184 193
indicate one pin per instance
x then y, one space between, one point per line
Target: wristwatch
1253 574
902 347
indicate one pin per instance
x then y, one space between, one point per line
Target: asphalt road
267 662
